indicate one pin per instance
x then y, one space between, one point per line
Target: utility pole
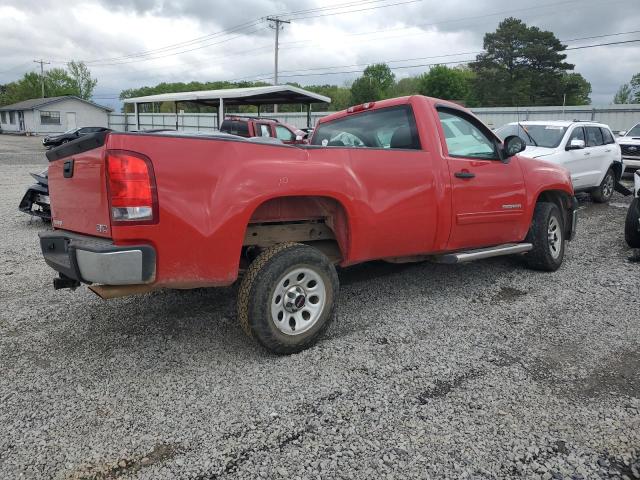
42 64
276 25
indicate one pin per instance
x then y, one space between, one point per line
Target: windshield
72 130
634 132
548 136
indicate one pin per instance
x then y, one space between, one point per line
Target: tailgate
78 186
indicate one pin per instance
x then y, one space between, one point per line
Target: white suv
630 144
587 149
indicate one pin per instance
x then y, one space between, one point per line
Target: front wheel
547 236
604 192
287 296
632 224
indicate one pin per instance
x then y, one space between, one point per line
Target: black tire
546 254
632 224
604 192
258 292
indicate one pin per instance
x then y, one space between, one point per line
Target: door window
594 136
577 134
284 134
608 136
464 139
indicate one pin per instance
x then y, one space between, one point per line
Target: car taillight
132 188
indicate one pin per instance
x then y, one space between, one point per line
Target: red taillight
132 188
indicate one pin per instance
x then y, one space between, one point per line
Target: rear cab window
386 128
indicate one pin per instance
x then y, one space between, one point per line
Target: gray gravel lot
484 370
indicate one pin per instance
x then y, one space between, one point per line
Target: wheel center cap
295 299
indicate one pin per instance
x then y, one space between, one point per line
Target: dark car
69 135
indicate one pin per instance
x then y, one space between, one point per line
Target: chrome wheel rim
607 187
298 300
554 234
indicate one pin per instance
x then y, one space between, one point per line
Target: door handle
587 153
465 174
608 150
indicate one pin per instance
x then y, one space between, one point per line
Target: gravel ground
484 370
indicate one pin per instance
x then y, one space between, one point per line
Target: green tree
81 79
576 88
624 94
447 83
374 84
405 87
57 82
635 87
521 65
629 92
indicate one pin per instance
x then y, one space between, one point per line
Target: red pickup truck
405 179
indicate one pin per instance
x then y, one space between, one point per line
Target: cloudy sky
131 43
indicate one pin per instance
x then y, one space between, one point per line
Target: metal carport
269 95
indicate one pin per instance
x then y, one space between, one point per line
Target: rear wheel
287 297
604 192
547 236
632 224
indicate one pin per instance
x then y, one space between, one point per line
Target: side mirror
576 144
513 145
622 133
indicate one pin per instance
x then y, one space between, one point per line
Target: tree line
520 65
75 79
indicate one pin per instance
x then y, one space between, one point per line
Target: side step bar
480 253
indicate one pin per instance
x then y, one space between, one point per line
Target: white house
52 115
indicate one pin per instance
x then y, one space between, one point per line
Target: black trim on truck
102 262
82 144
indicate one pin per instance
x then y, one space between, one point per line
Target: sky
133 43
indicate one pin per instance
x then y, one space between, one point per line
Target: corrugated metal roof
251 95
39 102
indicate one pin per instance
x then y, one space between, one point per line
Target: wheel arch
562 199
295 210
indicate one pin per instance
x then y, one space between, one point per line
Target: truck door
488 195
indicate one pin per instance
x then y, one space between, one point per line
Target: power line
262 76
604 44
224 32
443 63
354 11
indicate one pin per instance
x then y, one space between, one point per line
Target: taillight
132 188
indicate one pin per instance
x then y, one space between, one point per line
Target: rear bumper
95 260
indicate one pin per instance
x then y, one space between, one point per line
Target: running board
480 253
